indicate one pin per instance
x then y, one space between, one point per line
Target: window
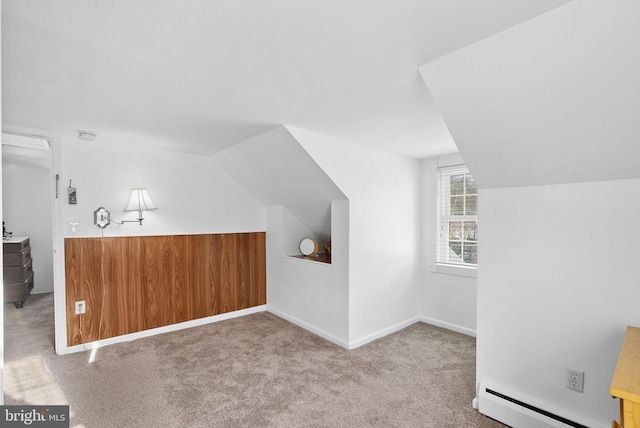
457 217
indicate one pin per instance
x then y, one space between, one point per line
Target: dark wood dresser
17 270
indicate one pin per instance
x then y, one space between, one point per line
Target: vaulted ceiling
202 75
553 100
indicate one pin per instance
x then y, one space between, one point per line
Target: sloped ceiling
201 75
553 100
275 168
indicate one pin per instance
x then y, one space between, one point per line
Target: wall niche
307 221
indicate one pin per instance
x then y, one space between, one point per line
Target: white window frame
443 263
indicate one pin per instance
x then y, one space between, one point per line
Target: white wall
26 198
193 194
311 294
558 276
384 232
294 231
557 285
446 299
298 193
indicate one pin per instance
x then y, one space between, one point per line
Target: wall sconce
139 201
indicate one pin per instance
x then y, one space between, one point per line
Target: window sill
469 272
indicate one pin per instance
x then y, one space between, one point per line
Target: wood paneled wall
137 283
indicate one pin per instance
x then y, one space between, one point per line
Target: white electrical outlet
81 307
575 380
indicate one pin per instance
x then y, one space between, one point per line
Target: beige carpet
254 371
27 380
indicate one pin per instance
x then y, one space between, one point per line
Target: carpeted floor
254 371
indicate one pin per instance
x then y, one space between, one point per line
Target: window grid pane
457 184
470 185
457 217
471 205
457 205
470 230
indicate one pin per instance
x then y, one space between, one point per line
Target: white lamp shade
140 201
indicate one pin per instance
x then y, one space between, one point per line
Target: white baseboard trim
309 327
381 333
165 329
229 315
448 326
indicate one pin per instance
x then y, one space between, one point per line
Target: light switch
73 227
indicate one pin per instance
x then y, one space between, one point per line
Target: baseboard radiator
504 407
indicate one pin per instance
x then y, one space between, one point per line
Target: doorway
27 202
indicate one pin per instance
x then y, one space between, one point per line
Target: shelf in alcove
319 258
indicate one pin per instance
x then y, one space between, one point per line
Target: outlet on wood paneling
137 283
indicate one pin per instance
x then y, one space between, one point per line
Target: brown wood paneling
215 275
259 268
229 273
243 256
202 289
167 269
152 293
132 284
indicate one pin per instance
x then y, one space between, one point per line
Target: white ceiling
554 100
202 75
276 169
